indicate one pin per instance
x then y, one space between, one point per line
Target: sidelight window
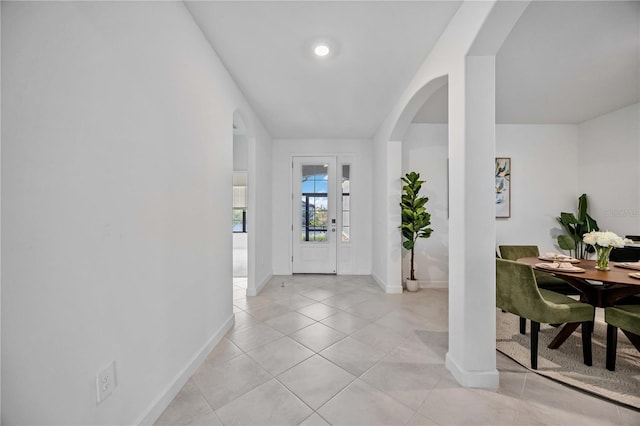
346 204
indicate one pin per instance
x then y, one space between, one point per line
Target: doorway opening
425 149
240 210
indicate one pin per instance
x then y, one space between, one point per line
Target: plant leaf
568 218
582 208
566 242
590 224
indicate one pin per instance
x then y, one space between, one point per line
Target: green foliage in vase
574 228
415 219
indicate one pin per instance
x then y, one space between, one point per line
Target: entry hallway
318 350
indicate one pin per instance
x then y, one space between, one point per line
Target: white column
471 357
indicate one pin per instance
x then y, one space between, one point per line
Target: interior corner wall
609 172
544 181
552 164
260 223
360 200
116 207
543 157
425 150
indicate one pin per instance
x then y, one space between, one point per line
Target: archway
415 103
425 150
469 148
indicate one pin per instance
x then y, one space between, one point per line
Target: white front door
314 215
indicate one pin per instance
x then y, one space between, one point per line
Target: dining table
598 288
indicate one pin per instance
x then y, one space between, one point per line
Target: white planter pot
412 285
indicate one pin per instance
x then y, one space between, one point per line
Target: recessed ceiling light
321 49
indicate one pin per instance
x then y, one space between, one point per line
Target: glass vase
602 257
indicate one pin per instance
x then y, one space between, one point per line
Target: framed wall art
503 187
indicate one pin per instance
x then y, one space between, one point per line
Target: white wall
361 196
116 172
544 179
609 171
425 150
240 240
380 180
240 152
240 257
260 223
552 165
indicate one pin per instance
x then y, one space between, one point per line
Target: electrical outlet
105 382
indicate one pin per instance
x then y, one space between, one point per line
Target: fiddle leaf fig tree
415 219
574 228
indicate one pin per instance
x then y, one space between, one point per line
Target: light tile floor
318 350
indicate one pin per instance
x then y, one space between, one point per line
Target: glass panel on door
315 203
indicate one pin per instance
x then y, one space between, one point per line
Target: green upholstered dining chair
627 319
544 279
518 293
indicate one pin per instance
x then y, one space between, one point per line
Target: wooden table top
616 275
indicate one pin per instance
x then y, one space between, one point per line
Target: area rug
565 364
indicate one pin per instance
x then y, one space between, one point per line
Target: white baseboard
396 289
263 283
161 403
489 379
259 287
387 289
378 281
433 284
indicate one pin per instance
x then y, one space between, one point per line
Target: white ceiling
564 62
378 47
567 62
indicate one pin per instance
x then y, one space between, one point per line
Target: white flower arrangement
603 239
603 242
